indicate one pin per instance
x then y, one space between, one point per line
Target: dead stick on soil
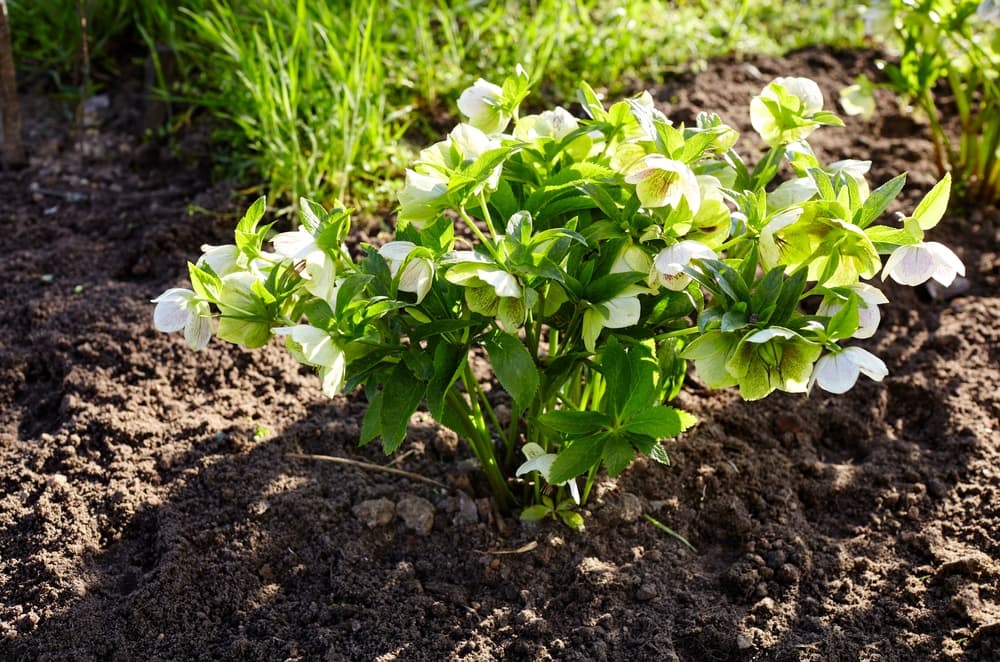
13 146
366 465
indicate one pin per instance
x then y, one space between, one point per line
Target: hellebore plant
588 259
956 42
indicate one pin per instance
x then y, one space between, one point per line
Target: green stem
471 224
482 447
486 215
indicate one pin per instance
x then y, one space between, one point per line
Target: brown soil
150 509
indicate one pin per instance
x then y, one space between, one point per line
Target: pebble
467 513
788 574
375 512
417 514
645 593
630 507
743 642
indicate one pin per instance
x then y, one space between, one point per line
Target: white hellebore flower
878 19
555 124
222 259
670 262
320 271
838 372
315 347
869 315
765 123
617 312
481 103
179 308
418 274
662 182
540 461
989 10
912 265
422 197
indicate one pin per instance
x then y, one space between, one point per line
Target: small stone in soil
645 593
375 512
417 514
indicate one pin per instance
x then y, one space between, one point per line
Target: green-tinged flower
618 312
418 272
783 112
555 124
663 182
869 316
179 308
632 257
772 359
805 237
670 262
245 319
423 198
917 263
482 103
316 347
490 290
858 99
710 352
319 272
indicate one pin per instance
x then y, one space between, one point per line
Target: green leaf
371 425
575 423
932 208
351 287
404 392
514 367
879 201
617 376
610 286
618 454
662 422
311 215
659 454
788 300
578 457
535 513
448 361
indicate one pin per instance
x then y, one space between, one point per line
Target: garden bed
150 508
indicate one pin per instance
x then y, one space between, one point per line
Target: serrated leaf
618 454
403 392
577 458
575 423
662 422
659 454
371 425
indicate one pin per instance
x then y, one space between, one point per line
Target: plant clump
590 258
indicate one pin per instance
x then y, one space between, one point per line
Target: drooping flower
423 197
540 461
783 111
838 372
221 259
917 263
316 347
418 273
770 359
670 262
662 182
989 10
869 315
179 308
618 312
858 99
319 271
555 124
878 18
490 289
482 103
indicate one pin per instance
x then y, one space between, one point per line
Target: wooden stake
13 146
